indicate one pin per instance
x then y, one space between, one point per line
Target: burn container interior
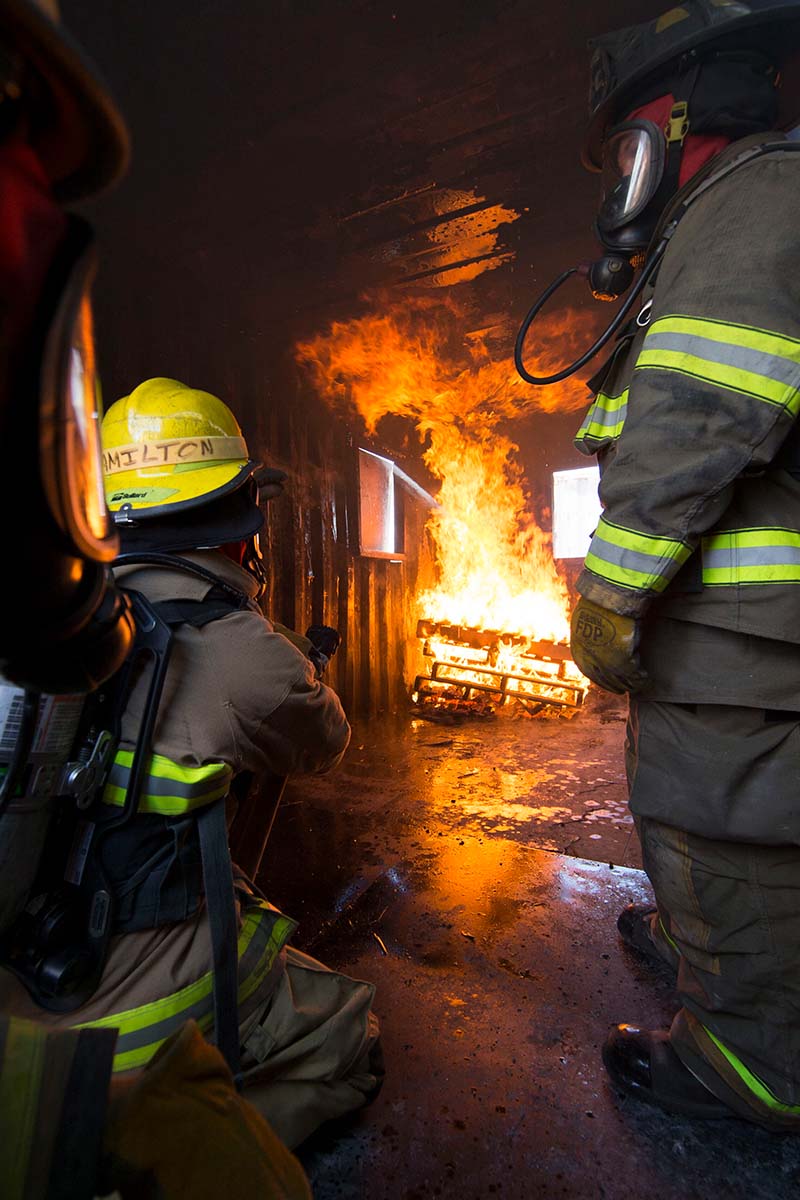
295 166
300 163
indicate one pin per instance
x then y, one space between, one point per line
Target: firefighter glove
179 1128
605 646
270 483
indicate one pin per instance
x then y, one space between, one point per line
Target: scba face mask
634 156
73 629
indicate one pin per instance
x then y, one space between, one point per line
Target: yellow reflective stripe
610 404
632 559
133 1060
20 1082
599 422
170 789
733 378
173 1008
624 576
669 939
643 543
754 537
168 1006
751 556
165 806
756 1086
280 932
740 358
165 768
719 576
748 336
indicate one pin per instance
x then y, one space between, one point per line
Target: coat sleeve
284 719
716 386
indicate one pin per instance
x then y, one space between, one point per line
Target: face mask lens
69 419
633 163
82 429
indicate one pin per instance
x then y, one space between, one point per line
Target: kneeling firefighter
144 924
67 1128
690 589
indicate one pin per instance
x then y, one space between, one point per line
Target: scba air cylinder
35 788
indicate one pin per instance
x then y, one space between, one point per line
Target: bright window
380 507
576 511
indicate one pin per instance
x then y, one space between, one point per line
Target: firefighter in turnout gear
236 697
67 1128
691 586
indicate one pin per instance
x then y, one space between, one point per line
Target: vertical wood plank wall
298 163
317 574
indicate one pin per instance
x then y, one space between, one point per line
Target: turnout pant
714 790
314 1054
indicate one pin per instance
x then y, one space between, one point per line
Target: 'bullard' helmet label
153 495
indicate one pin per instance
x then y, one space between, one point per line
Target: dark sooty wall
290 156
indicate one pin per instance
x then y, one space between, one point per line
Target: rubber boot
637 925
643 1064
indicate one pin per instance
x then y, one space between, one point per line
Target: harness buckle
677 126
83 779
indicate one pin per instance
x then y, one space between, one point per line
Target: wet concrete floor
474 873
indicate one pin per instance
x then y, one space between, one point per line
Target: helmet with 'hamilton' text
168 448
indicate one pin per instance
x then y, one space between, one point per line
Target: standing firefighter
690 592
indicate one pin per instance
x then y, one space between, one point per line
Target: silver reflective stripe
629 560
751 556
601 416
118 776
155 785
157 1031
728 354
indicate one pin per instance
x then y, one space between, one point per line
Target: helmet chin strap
631 240
253 563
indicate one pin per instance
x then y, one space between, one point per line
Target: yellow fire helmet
168 448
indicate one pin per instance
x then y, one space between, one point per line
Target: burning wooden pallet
472 667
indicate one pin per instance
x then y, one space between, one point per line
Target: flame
467 240
412 359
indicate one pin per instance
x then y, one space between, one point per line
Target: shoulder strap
176 563
675 215
196 613
212 831
221 906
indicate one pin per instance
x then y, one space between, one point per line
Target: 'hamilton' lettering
171 451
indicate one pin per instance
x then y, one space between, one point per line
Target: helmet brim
84 146
143 497
783 28
234 518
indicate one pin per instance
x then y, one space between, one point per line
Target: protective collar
234 518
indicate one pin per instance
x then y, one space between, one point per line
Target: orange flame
496 569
